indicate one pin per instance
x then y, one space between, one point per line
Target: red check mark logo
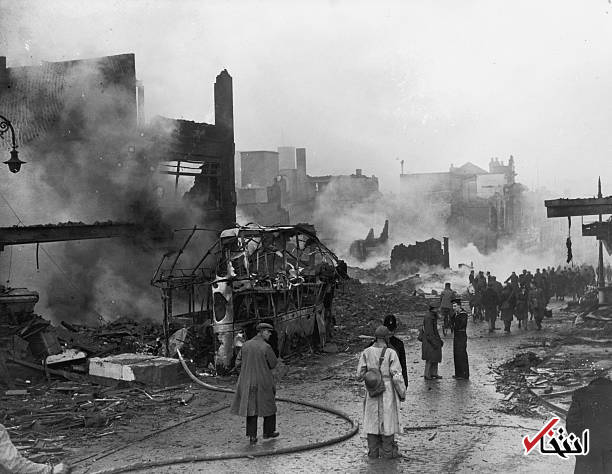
530 444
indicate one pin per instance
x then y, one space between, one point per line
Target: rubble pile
522 362
360 307
421 277
119 336
67 346
42 418
510 380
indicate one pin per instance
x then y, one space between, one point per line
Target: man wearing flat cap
381 412
255 390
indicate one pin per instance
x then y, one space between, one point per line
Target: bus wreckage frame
279 275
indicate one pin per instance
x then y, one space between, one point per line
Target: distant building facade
479 206
277 189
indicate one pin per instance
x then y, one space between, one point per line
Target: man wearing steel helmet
381 413
255 390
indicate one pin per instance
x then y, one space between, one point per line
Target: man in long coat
490 303
536 305
255 390
381 414
460 357
431 349
446 306
521 309
592 408
507 305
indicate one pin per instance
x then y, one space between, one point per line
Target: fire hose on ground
226 456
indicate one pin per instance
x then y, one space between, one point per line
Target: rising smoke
97 167
537 242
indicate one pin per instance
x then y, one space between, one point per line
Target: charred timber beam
60 233
578 207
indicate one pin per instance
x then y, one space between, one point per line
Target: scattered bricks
141 368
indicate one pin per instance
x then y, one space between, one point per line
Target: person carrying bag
381 410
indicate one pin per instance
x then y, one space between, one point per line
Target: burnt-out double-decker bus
283 275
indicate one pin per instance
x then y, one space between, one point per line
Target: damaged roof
469 168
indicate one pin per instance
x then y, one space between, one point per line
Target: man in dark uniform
514 280
396 344
490 302
592 408
390 323
462 368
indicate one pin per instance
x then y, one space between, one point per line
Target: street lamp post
14 163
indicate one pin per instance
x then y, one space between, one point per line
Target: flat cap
261 326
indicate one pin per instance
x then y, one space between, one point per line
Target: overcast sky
364 84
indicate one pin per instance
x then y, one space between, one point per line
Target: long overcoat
255 390
508 303
592 408
431 349
381 414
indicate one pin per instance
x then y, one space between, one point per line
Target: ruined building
478 206
360 249
81 129
206 152
276 189
411 257
95 107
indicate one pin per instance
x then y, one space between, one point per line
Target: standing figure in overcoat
591 409
521 309
490 303
255 390
507 305
381 413
536 305
460 357
431 349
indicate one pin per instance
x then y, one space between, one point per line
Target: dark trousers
382 446
269 425
460 356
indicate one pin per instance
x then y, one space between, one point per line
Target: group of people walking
520 296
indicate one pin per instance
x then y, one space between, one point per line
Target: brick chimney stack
224 103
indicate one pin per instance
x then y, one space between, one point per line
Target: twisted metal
5 126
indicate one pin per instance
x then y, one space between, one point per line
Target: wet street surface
449 425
